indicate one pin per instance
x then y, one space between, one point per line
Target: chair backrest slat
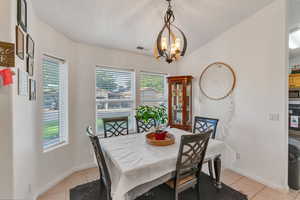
191 155
203 124
115 126
143 126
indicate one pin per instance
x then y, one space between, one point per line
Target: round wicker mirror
217 81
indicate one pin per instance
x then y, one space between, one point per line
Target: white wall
256 49
33 169
88 58
6 161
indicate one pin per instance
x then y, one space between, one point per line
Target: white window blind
55 98
153 88
115 95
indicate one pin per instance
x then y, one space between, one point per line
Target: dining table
135 167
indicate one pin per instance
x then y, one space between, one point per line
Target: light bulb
173 49
164 44
177 43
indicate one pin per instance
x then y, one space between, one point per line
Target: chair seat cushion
181 181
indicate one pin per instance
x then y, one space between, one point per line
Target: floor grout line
258 192
237 180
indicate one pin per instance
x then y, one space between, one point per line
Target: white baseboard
261 180
60 177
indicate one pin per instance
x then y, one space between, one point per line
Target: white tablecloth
132 162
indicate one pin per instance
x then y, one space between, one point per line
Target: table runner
132 162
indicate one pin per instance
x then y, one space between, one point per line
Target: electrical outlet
238 156
274 116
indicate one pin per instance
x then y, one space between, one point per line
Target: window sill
54 146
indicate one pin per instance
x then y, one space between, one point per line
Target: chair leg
198 190
108 197
217 166
175 195
210 169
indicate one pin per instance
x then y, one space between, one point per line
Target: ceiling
126 24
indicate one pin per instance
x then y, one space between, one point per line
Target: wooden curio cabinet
180 102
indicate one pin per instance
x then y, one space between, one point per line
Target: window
55 98
153 88
115 95
294 39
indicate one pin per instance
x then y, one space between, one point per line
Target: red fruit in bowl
161 136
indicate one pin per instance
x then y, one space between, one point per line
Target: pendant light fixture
171 42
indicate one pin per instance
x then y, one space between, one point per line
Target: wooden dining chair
189 163
115 126
202 125
142 126
103 170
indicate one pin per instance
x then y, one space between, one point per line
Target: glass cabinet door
180 102
177 103
188 103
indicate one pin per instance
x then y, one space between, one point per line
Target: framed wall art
30 46
22 83
30 65
22 14
32 90
7 54
19 43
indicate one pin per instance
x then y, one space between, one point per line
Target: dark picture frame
30 65
30 46
22 14
20 43
32 90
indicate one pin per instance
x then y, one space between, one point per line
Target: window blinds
115 94
54 102
153 88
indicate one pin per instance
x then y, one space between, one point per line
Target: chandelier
171 42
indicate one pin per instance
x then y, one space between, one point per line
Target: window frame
132 99
63 103
165 89
136 91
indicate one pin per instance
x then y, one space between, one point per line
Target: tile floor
253 189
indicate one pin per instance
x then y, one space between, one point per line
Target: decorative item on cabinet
180 102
